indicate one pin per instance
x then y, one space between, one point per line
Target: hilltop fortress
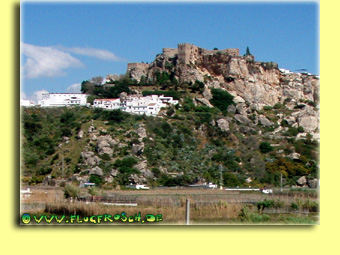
185 53
257 83
188 53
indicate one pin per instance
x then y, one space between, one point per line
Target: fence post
187 216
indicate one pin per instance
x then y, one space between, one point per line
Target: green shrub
71 190
267 108
231 180
96 179
44 171
300 129
126 162
278 106
221 99
265 147
246 215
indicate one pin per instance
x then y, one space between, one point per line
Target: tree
266 147
221 99
97 80
248 51
231 180
71 191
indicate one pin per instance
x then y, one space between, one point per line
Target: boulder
66 139
313 184
95 160
108 179
238 99
141 132
204 102
105 144
294 155
241 108
249 180
89 158
96 170
111 77
302 181
91 129
264 121
242 119
142 167
114 172
137 149
207 93
223 124
290 120
80 134
231 108
309 123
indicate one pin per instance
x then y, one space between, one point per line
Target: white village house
148 105
27 103
111 103
62 99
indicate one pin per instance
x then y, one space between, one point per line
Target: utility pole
281 182
221 178
62 165
187 212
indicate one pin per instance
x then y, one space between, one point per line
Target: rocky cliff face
257 83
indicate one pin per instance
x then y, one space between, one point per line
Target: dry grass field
206 206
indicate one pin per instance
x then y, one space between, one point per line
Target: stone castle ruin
186 53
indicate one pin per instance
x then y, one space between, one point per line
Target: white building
24 102
148 105
113 103
62 99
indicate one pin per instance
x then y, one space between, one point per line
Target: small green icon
26 218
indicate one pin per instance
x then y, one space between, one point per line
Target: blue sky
63 43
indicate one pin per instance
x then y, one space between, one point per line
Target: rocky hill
248 120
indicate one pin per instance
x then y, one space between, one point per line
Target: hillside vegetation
188 144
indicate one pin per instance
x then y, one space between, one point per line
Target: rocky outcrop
105 145
223 124
89 158
264 121
137 149
309 123
250 81
204 102
80 134
242 119
96 170
302 181
141 132
143 169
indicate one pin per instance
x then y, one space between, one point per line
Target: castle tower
187 53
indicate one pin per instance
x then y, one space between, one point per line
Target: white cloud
74 88
46 61
91 52
37 95
22 95
54 60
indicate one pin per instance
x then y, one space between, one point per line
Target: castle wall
139 66
233 52
169 52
